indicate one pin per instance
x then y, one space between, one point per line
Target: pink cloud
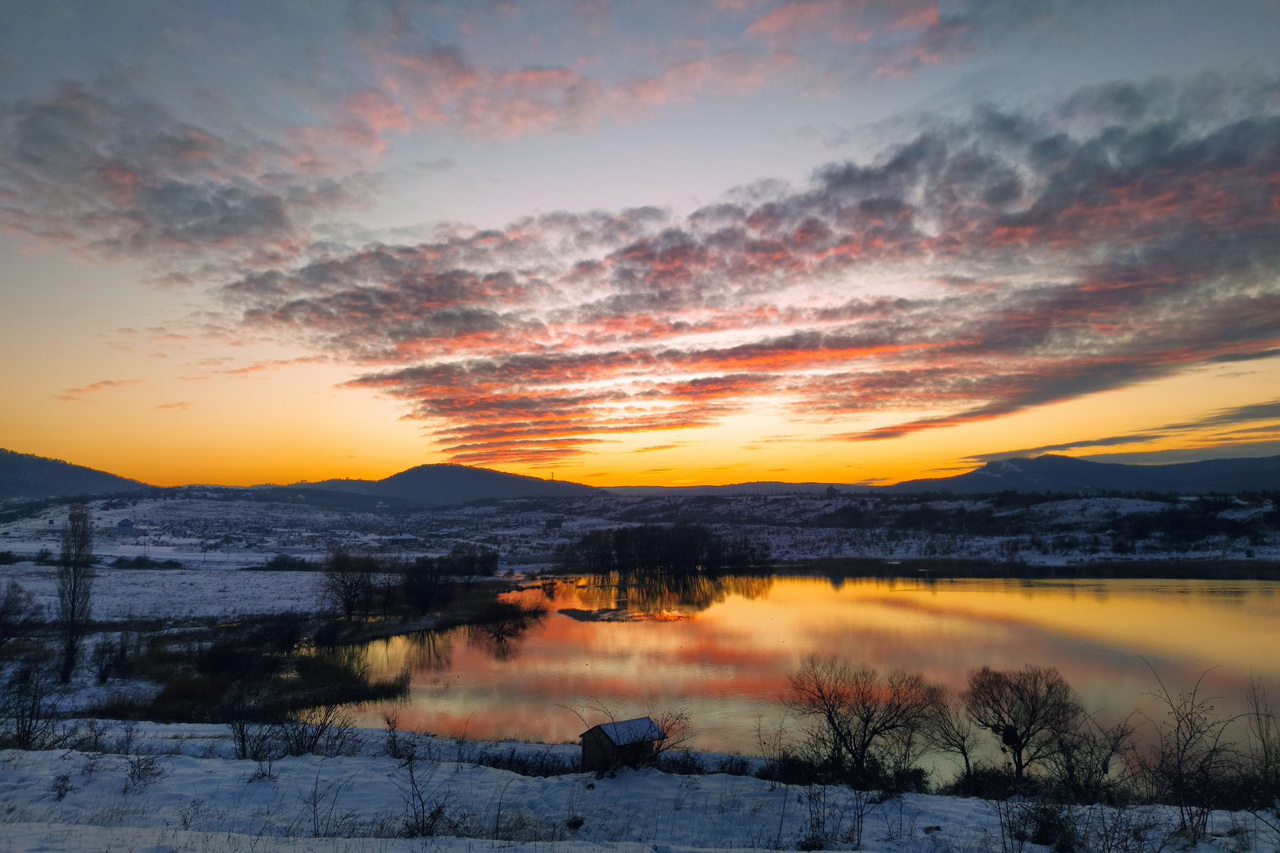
73 395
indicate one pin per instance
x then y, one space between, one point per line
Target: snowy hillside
204 529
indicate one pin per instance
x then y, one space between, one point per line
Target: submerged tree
75 587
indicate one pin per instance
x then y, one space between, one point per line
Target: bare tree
951 730
347 581
20 615
75 587
1025 709
861 718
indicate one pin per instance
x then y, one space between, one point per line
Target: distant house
625 742
125 526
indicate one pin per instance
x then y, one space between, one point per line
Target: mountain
1050 473
445 485
758 487
23 475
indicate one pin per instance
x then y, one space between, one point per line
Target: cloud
1244 450
429 73
898 37
441 86
75 395
986 267
128 179
275 364
1234 415
1228 417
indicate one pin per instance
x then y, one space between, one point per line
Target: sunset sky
649 242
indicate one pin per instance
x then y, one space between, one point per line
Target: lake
721 649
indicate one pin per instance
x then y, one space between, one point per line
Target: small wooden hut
625 742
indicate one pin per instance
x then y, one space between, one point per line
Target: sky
706 241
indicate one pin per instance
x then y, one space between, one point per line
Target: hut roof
624 732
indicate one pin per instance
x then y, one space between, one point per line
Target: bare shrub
327 730
20 615
105 659
1084 756
320 804
1191 762
430 809
29 706
1123 829
1263 754
142 771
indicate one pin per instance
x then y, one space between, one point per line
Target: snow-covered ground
206 532
178 594
176 788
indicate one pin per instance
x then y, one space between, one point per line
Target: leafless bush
1263 756
1025 821
1123 829
29 706
1084 756
320 803
141 771
1192 761
254 741
430 809
20 615
106 659
327 730
836 815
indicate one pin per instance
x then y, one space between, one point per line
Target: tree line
362 584
663 549
869 730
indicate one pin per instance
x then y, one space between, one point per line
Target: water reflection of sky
722 651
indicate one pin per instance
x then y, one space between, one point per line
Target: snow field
174 790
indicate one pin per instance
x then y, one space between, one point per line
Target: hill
1052 473
23 475
1048 473
446 485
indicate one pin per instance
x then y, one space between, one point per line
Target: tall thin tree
75 587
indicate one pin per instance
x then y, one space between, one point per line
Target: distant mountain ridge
1048 473
1051 473
24 475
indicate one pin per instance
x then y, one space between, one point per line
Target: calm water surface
721 650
